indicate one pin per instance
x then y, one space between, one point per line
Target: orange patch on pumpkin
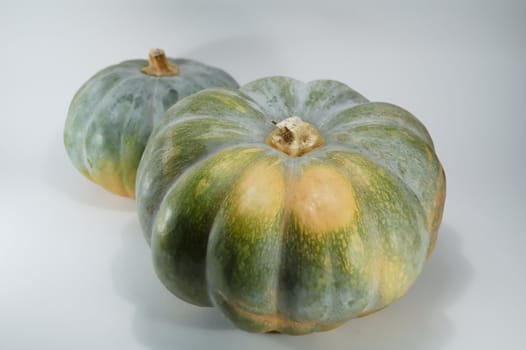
322 200
112 183
260 191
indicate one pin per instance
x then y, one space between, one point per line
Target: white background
75 272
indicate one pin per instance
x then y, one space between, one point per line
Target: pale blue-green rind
394 221
248 275
112 116
315 102
273 273
395 140
189 132
260 272
185 219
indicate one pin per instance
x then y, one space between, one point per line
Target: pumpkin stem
294 137
159 66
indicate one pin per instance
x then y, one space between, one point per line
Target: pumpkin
112 115
290 206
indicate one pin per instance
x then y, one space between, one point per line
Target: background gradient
75 270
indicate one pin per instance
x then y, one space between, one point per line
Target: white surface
75 271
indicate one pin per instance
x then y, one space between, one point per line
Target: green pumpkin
112 115
290 206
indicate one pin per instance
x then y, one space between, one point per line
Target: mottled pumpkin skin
289 244
112 116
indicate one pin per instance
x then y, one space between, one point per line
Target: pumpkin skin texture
112 115
291 244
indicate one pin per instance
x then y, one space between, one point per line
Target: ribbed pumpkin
290 206
113 114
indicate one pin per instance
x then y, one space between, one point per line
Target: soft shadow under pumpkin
160 318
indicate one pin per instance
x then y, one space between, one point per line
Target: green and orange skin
289 244
113 114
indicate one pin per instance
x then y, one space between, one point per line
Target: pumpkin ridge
344 298
154 98
439 203
391 127
327 120
154 103
278 322
121 172
253 104
73 119
104 73
242 253
89 123
233 94
397 128
194 165
357 99
191 117
408 122
374 283
415 142
332 289
185 187
116 69
290 169
423 233
374 160
176 117
151 157
397 179
412 118
232 206
264 92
